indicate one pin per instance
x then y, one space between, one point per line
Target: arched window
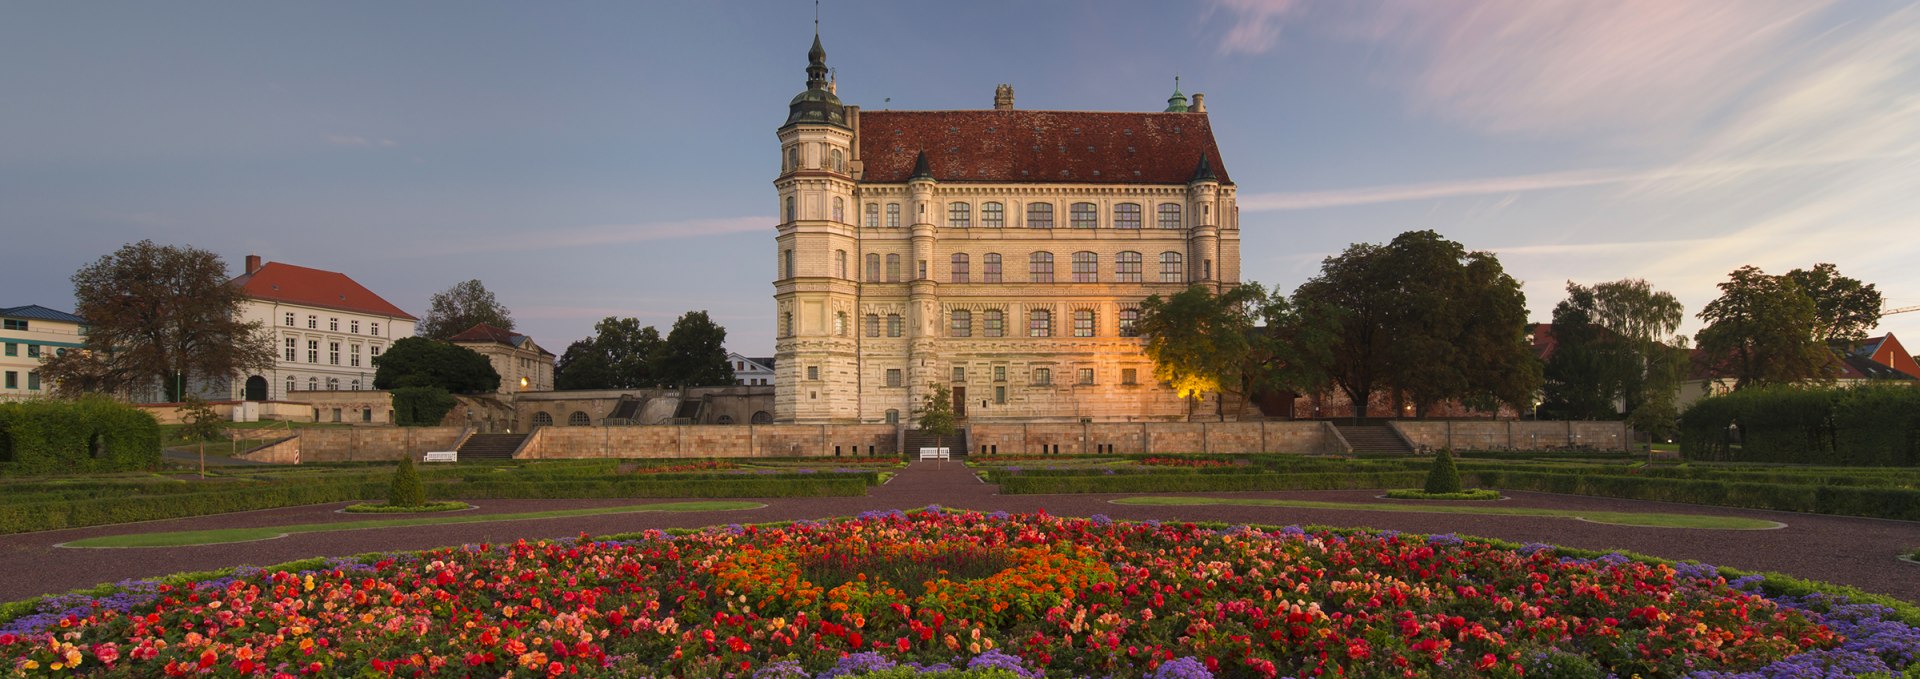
837 161
786 324
1084 216
290 384
786 263
873 267
1128 319
1086 267
840 323
894 326
356 385
959 269
1040 267
959 215
1126 267
1126 216
792 213
839 207
990 271
578 419
873 214
893 268
840 262
1169 215
313 384
993 215
962 323
793 158
873 325
1039 215
893 214
1039 323
995 321
762 417
1172 269
728 419
1083 323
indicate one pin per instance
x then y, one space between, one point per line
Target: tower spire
1178 102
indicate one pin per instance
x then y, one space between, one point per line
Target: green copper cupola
818 104
1178 102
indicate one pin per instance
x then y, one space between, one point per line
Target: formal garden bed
1476 494
386 508
1019 594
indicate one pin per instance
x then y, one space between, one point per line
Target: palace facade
1002 253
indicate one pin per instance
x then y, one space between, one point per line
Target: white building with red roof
326 330
1000 252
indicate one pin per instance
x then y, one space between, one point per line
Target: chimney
1199 103
1003 98
253 263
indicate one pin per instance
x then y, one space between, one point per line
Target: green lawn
214 537
1649 520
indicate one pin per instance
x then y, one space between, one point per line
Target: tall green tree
620 355
1616 352
1427 319
583 366
1291 349
1200 342
1844 309
1762 330
159 314
937 416
454 310
422 362
695 353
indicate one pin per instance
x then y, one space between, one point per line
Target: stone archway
256 389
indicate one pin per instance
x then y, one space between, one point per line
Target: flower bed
1188 462
704 466
945 590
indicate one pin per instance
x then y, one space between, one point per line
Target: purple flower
1181 668
1447 539
858 663
995 660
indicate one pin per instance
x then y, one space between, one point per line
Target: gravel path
1852 551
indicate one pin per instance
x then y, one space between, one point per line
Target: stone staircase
1373 439
491 446
917 439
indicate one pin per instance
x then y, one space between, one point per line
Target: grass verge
1471 494
1646 520
225 535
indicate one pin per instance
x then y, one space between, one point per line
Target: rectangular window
999 373
13 380
353 327
333 353
1126 216
961 269
353 355
962 323
1042 377
289 319
893 214
1039 215
313 351
1169 215
893 377
33 380
993 215
33 351
813 372
873 214
1086 375
1040 267
1128 376
893 268
13 349
1129 317
1040 323
873 325
1083 216
923 271
895 327
959 374
1172 268
999 394
313 322
373 328
996 323
16 324
373 350
992 272
333 325
1086 267
959 215
1083 323
293 346
1126 267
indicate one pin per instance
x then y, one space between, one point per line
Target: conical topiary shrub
1444 477
407 491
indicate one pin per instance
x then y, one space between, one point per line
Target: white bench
935 453
442 456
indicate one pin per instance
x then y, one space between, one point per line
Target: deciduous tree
1762 330
1616 352
695 353
158 314
1843 308
422 362
1200 342
937 416
454 310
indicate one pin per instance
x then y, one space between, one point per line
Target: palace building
1002 253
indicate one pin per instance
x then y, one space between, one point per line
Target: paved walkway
1852 551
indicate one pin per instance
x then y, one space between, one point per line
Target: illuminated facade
1002 253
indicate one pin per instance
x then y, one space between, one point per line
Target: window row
333 324
33 350
1039 377
993 215
33 380
836 160
291 352
993 323
315 384
1127 267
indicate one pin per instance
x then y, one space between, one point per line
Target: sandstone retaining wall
1515 435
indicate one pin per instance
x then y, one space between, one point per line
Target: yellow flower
73 658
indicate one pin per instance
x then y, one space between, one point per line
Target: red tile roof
1084 147
313 287
483 332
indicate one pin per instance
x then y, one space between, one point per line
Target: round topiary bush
1444 477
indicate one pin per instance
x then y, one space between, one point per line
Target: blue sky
596 159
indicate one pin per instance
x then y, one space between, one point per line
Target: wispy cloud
359 141
610 234
1254 25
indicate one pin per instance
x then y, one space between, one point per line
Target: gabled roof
40 313
484 333
766 363
317 288
1086 147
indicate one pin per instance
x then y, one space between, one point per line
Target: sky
587 160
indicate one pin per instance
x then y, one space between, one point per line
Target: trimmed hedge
92 434
1883 503
1867 425
1205 483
